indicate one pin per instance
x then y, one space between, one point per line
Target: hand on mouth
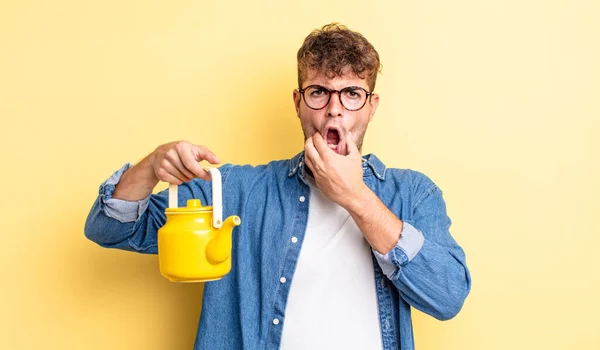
338 174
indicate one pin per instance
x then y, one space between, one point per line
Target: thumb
202 153
351 145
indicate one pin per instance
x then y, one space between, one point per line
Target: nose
335 108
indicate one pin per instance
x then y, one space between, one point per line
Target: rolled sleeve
408 246
121 210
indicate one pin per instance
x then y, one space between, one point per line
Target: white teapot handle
217 197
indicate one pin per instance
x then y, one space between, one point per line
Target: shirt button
302 199
294 239
275 321
282 280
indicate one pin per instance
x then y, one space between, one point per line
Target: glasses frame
339 93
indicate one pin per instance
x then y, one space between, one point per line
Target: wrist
359 200
137 182
147 175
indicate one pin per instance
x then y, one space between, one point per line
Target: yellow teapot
194 245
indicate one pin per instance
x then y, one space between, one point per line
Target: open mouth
333 138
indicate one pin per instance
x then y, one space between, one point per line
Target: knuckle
181 146
171 154
203 151
161 173
186 162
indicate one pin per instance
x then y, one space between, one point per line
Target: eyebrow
345 87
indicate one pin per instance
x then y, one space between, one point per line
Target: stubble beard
358 135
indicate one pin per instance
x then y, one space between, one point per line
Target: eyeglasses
352 98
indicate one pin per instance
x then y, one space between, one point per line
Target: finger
351 145
202 153
190 156
190 162
175 159
173 171
172 180
204 175
311 152
163 175
321 145
309 164
315 159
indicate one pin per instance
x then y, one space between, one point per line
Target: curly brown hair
335 49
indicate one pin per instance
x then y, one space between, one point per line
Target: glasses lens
316 97
353 97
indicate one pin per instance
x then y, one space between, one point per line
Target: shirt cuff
408 246
121 210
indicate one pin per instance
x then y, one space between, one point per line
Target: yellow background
497 101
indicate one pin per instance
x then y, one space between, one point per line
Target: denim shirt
246 308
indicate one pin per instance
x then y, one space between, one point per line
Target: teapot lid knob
194 203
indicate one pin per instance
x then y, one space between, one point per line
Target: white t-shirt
332 302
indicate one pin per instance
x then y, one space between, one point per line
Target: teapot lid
193 206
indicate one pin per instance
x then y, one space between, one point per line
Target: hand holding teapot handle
175 162
178 162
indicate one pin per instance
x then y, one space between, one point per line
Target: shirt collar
371 166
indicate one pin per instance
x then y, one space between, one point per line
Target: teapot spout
219 247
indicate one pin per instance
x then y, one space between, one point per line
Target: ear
373 103
297 100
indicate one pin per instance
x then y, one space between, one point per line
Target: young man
334 248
